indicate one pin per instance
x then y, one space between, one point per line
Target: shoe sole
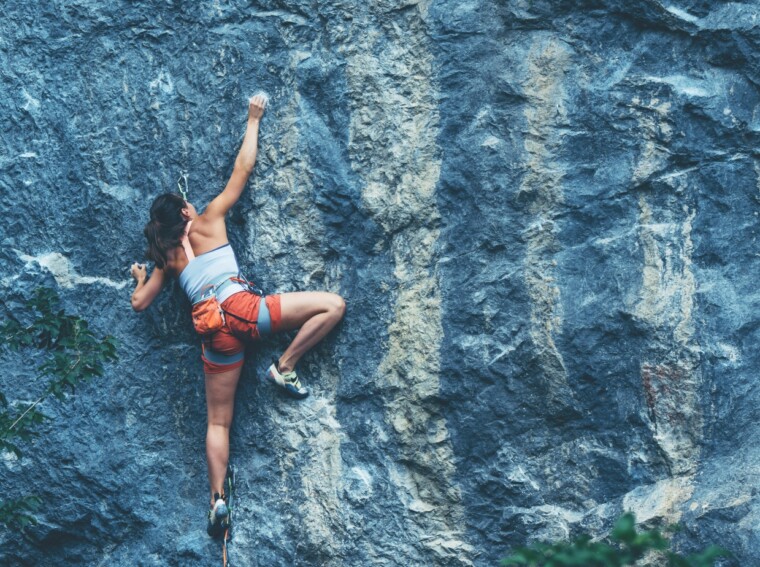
289 389
221 522
216 530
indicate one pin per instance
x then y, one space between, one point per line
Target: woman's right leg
314 314
220 402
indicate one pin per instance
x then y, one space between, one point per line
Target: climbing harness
208 315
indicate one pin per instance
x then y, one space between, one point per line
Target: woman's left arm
147 288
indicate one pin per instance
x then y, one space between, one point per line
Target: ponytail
166 226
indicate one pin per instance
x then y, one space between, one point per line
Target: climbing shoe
218 516
288 381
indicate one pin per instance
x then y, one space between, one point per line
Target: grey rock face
542 216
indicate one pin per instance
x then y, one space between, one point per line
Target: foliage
19 513
626 547
72 355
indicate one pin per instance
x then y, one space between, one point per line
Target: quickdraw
183 190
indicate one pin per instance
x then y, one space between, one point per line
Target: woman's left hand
139 272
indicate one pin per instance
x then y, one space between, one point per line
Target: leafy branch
19 513
626 546
73 355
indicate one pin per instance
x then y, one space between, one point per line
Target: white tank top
211 268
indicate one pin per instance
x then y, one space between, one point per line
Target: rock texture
542 214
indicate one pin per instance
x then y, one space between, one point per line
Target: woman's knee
337 305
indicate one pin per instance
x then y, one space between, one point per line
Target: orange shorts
245 322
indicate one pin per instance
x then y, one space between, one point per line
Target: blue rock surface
543 216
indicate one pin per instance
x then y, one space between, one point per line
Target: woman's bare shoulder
207 233
208 226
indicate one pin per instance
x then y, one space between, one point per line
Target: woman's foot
218 516
288 381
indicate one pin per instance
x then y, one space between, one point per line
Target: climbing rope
230 488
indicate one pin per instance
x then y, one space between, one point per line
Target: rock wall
543 217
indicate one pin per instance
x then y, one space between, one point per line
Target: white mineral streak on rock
163 83
393 131
670 374
321 473
662 499
542 185
549 522
682 14
652 121
160 87
688 86
30 103
490 142
287 228
64 273
120 192
358 485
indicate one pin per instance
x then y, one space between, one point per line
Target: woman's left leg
220 401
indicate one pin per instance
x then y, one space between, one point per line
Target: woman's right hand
244 162
256 106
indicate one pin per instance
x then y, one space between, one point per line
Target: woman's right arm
244 163
147 289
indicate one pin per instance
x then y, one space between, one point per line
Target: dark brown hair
165 228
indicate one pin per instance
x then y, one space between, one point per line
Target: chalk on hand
261 94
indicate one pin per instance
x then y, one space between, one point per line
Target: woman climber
194 248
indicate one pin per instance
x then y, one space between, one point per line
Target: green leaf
625 529
19 512
708 557
628 547
10 447
72 353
